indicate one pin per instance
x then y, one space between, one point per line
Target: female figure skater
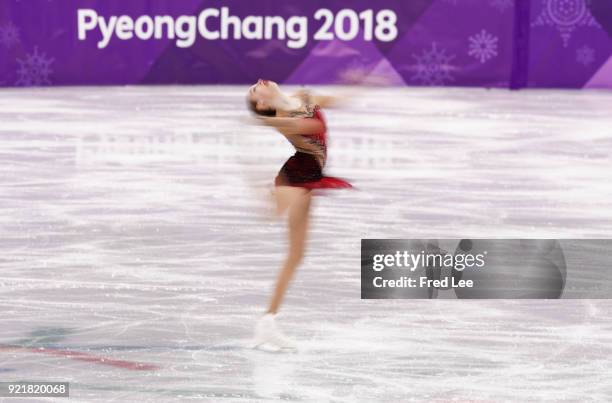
298 117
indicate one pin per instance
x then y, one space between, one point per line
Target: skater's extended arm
292 126
358 79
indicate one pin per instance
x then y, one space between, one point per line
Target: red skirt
303 170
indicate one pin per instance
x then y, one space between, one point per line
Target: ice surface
134 231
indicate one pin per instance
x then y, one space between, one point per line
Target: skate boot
267 333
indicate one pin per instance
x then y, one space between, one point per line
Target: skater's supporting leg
298 225
285 196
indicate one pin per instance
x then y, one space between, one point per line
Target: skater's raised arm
265 98
291 126
324 101
358 79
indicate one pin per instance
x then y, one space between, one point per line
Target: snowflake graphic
502 5
34 69
585 55
9 35
566 16
433 66
483 46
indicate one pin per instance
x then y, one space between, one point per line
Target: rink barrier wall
482 43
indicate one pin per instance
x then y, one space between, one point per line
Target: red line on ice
80 356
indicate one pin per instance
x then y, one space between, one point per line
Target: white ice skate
267 335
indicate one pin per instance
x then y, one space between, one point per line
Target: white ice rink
137 251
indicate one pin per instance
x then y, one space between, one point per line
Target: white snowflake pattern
566 16
9 35
483 46
585 55
433 66
502 5
34 69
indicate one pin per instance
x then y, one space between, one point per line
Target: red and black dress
305 167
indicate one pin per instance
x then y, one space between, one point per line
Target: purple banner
490 43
